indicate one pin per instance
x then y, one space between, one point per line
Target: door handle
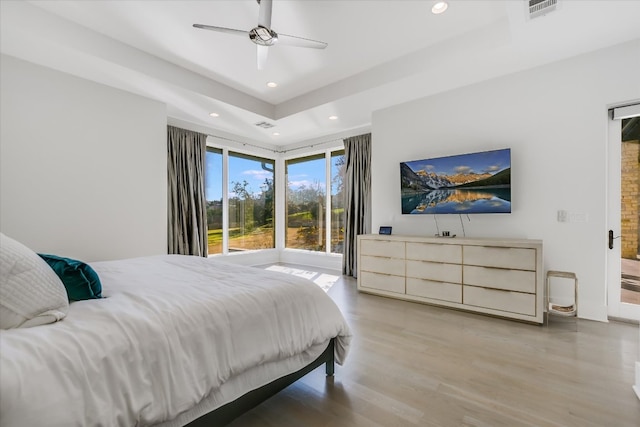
611 238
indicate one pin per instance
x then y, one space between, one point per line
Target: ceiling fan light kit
263 36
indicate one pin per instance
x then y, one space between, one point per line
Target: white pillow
31 293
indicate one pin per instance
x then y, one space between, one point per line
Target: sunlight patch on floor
324 280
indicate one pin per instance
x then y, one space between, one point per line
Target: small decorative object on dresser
385 229
500 277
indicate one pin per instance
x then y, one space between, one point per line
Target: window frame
210 149
327 154
296 161
279 159
262 159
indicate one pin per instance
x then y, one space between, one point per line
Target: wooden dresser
500 277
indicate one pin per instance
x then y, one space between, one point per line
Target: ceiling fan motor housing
263 36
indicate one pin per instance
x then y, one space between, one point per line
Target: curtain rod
272 150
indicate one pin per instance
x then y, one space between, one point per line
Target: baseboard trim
623 320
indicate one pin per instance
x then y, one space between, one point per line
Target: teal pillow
80 280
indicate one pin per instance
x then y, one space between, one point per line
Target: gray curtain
186 152
357 210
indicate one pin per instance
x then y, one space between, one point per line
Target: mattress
174 337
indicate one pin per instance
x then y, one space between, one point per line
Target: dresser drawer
488 256
383 282
383 248
437 271
511 302
435 290
382 265
434 252
510 280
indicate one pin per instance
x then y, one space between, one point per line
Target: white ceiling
380 53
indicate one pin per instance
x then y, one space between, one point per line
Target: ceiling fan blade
264 16
223 30
300 42
263 51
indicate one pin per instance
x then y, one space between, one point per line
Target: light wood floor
417 365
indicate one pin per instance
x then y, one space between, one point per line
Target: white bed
174 338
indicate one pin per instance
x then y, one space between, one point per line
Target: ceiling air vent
541 7
264 125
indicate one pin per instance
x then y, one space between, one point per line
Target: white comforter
170 330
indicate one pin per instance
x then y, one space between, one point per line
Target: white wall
83 166
554 120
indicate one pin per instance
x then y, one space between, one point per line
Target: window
251 202
308 218
213 194
240 199
337 201
306 184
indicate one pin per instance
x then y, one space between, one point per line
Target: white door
620 304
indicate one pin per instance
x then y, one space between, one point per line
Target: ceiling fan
263 36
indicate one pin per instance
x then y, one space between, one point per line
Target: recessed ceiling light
276 133
214 114
333 117
272 84
439 7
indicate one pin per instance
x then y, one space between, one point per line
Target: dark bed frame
232 410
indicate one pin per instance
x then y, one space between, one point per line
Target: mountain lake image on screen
462 184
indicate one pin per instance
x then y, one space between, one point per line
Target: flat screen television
462 184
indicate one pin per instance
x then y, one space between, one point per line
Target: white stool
559 310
